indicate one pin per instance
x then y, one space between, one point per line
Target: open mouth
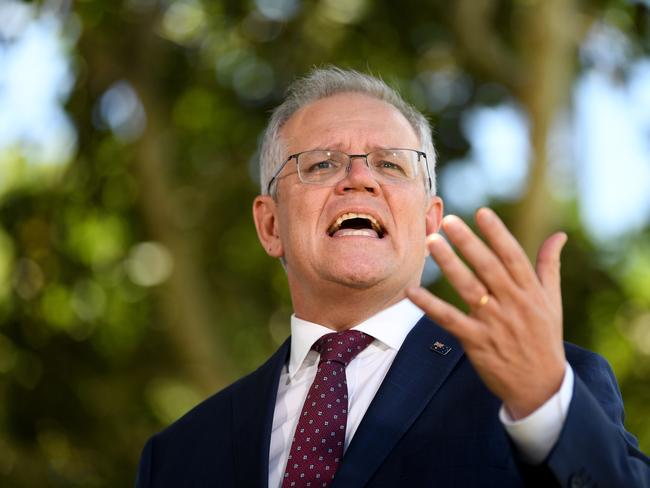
356 224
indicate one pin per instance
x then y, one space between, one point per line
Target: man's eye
390 167
321 166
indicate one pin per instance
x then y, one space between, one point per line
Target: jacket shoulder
214 414
202 439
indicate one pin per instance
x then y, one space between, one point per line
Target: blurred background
132 284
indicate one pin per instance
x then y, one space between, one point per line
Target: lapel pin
440 348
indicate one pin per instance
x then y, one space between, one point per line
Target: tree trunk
548 48
184 299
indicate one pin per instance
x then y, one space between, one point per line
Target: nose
358 177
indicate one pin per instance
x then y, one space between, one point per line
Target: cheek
415 235
299 225
413 216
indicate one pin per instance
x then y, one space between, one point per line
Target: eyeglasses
321 167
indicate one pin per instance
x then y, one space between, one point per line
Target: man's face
305 215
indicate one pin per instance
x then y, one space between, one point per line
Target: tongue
355 232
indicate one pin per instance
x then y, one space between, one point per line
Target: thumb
548 263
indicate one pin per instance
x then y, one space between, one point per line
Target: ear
433 214
266 223
433 217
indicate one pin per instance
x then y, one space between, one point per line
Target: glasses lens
321 166
394 164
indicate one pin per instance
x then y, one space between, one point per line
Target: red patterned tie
317 446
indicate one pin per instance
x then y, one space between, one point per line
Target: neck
339 307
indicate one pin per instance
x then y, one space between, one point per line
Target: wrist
534 396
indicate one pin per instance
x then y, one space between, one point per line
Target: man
368 391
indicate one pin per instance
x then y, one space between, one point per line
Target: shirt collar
390 326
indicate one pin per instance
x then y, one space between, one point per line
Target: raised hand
513 332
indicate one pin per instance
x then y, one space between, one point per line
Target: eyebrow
341 148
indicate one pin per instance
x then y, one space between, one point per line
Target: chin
359 276
358 282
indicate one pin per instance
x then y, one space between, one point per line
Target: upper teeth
352 215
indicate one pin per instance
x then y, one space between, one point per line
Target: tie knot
342 347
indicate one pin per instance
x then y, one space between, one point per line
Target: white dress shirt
534 436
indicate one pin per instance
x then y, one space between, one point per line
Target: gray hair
325 82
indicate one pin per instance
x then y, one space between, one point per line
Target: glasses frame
420 154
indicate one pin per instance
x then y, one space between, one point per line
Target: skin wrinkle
323 269
324 83
515 340
340 281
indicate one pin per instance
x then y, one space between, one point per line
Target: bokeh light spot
170 398
149 264
56 307
88 300
344 11
278 10
121 110
183 21
253 79
28 278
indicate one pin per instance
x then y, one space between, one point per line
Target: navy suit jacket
431 423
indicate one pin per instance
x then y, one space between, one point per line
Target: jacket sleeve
143 479
594 449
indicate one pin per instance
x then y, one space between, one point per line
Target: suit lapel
253 405
422 364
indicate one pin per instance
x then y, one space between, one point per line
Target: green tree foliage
132 284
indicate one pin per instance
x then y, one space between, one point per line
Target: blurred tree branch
84 376
474 26
548 46
184 299
538 73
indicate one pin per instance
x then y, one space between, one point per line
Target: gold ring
484 300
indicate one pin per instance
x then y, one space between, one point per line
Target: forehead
350 122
